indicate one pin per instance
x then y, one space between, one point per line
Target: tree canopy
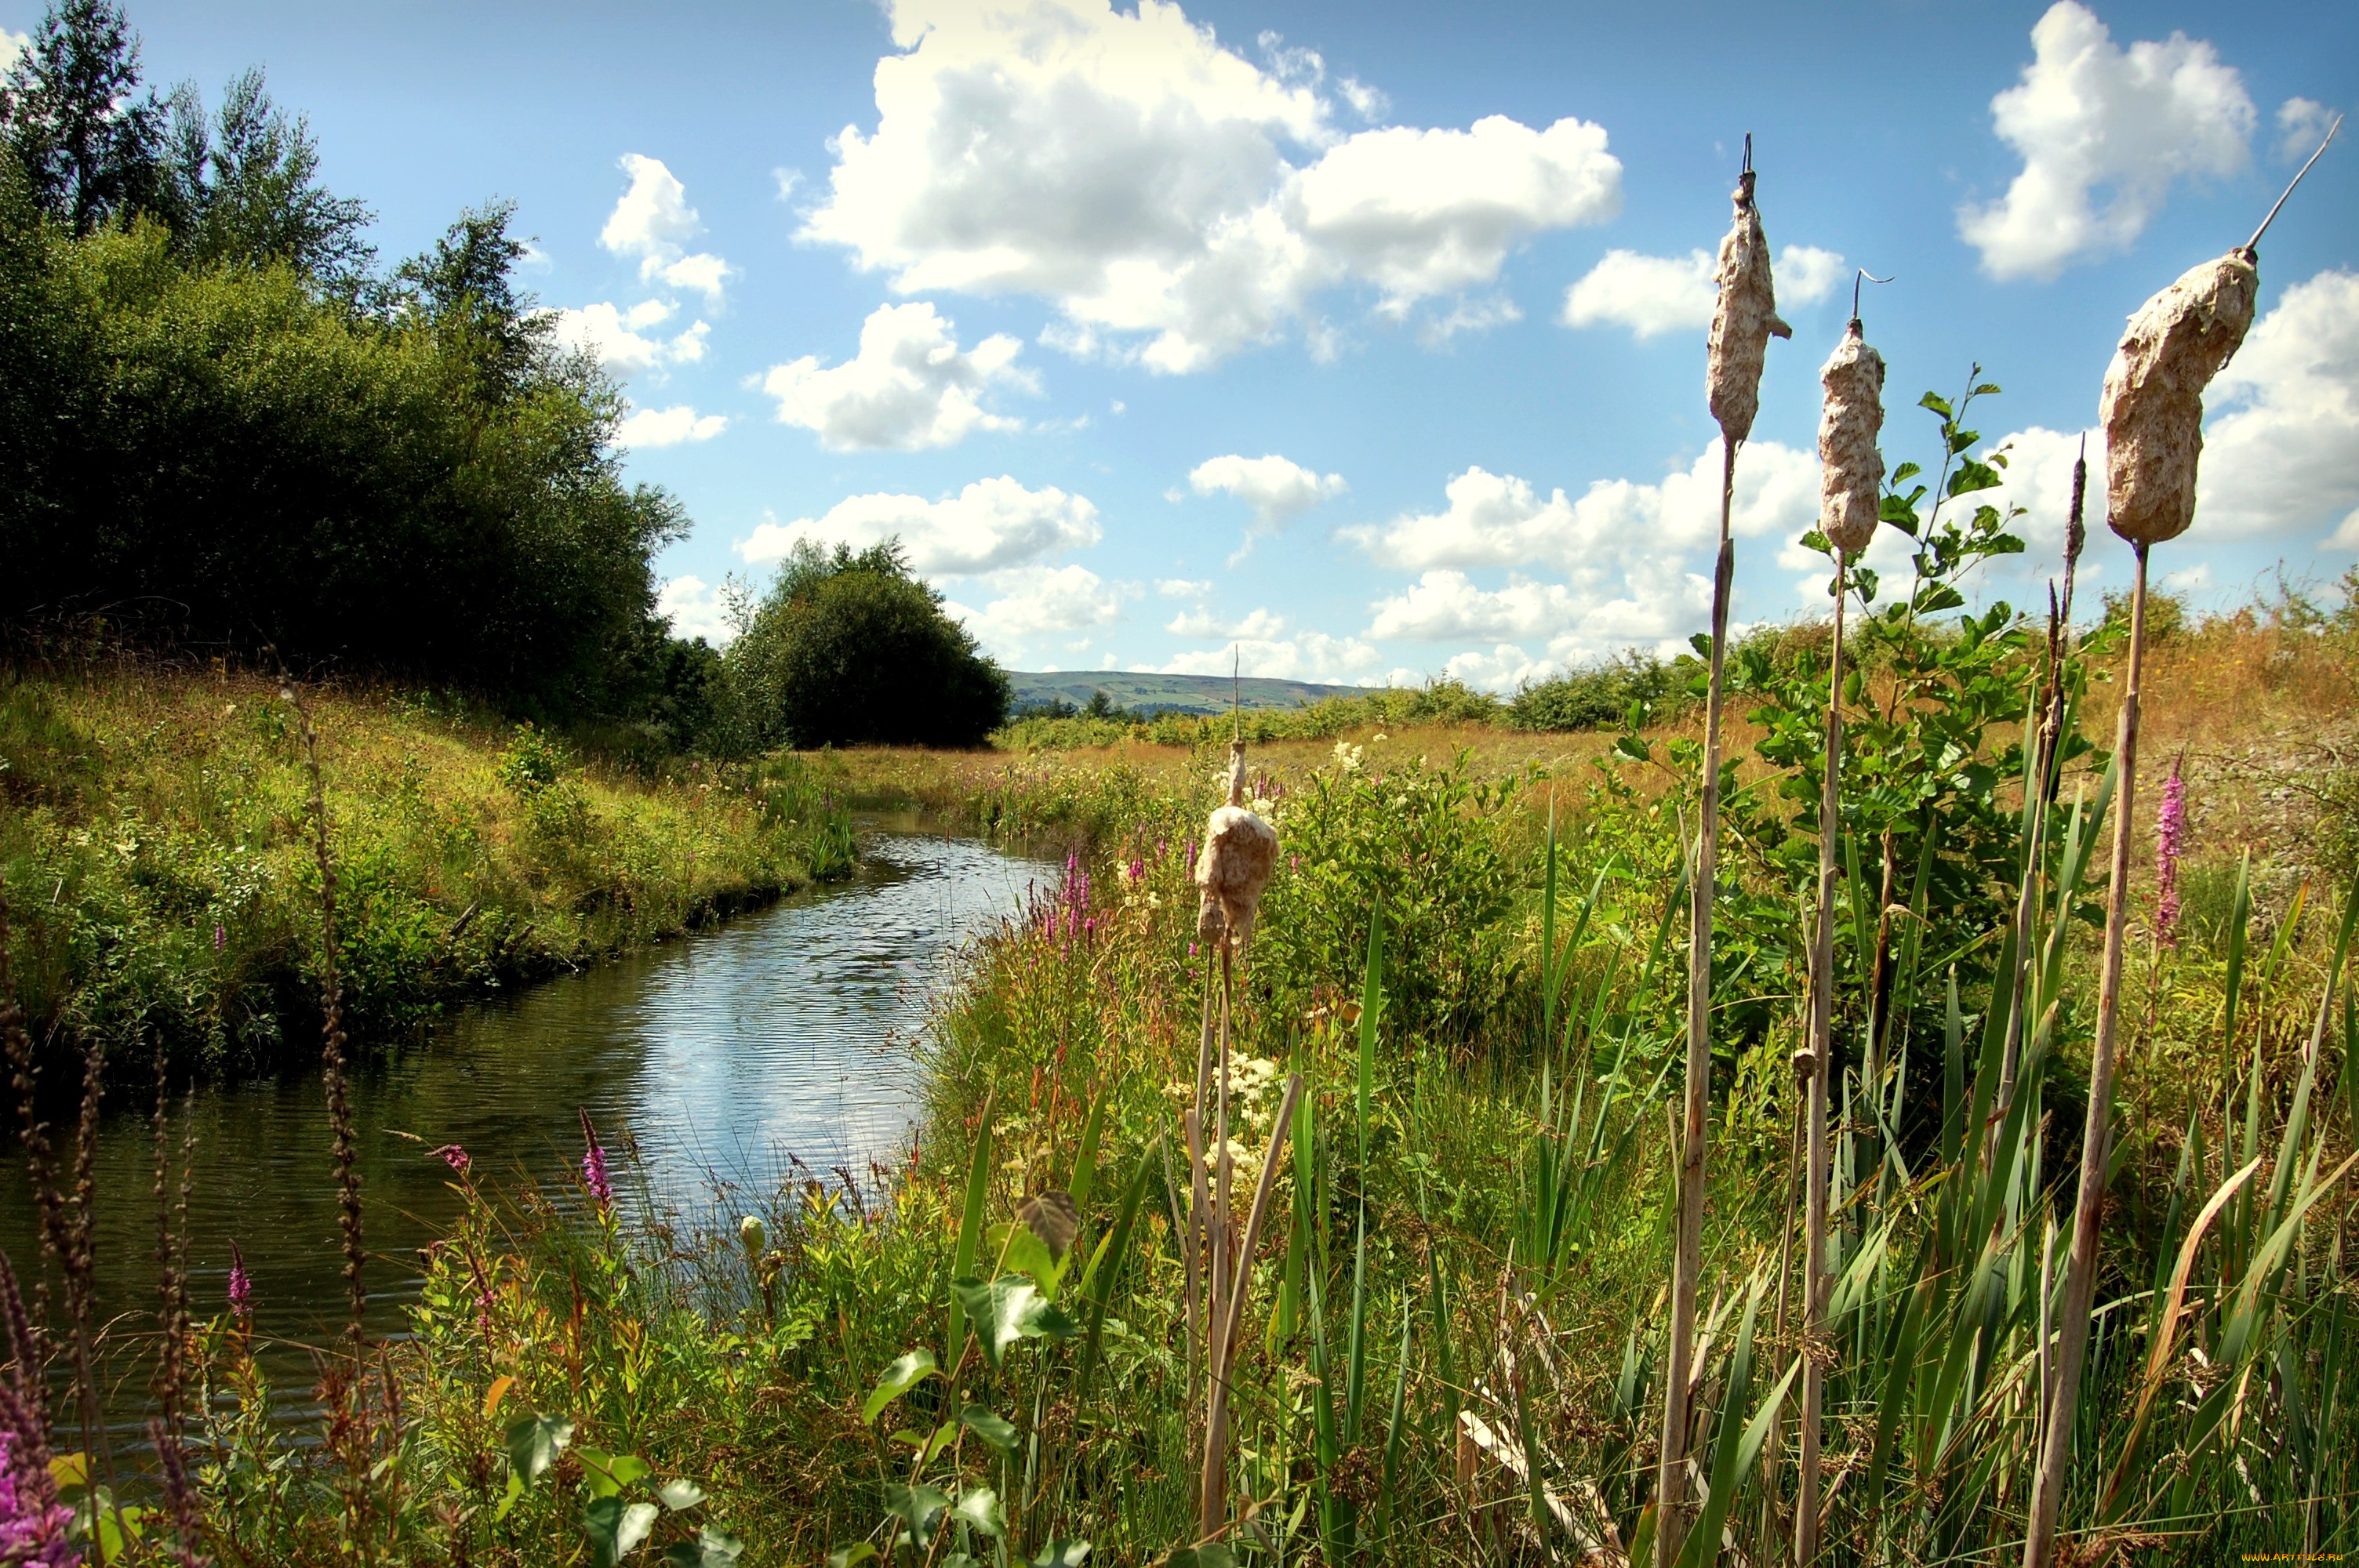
849 649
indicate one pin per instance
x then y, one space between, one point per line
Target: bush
1599 696
852 650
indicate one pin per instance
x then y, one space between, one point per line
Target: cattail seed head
2153 405
1851 469
1743 320
1239 854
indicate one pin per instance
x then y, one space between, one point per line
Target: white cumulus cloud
1031 602
992 526
1172 198
695 609
2302 123
670 427
654 222
1259 624
2104 133
1634 557
910 386
1278 490
2281 446
11 45
1654 294
622 340
1306 656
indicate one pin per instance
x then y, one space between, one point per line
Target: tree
91 144
849 649
245 189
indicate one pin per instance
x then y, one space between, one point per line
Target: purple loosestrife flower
33 1523
454 1157
593 1166
241 1288
220 939
2169 841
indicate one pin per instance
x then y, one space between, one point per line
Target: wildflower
33 1523
593 1166
241 1287
454 1157
753 1235
220 939
2170 839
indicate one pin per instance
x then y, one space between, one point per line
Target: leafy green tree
246 188
71 109
850 649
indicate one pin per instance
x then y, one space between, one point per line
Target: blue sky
1367 338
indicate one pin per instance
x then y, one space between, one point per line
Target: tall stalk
1745 318
1815 1280
2081 1267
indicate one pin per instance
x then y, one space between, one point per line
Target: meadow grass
160 890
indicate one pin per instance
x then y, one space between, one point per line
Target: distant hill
1144 691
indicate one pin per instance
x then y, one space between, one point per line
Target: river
795 1031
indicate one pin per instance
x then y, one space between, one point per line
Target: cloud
2282 447
1277 491
1502 668
2104 133
1030 602
12 44
1182 587
2280 443
620 339
2302 123
670 427
910 386
1499 520
654 222
695 610
993 525
1635 559
1306 656
1175 202
1654 294
1469 315
1257 624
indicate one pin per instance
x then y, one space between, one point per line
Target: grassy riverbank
160 885
1452 1345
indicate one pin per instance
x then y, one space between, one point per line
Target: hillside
1146 690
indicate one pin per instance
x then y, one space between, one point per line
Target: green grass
160 883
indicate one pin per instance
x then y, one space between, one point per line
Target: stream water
795 1031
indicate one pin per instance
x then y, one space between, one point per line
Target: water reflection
787 1032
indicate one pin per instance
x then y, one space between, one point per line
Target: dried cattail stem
2081 1268
1744 320
1851 469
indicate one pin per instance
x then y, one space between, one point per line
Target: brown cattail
2153 404
1239 854
1851 470
1743 321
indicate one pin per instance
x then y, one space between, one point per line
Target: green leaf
1634 747
1009 1308
1061 1553
916 1507
996 1430
608 1474
1212 1554
899 1379
718 1548
846 1558
1904 473
681 1493
1021 1252
978 1509
534 1441
616 1529
1987 389
1935 402
1866 578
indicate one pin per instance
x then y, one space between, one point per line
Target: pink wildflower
241 1287
593 1166
455 1157
33 1523
2169 841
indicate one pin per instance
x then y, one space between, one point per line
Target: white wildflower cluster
1348 756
